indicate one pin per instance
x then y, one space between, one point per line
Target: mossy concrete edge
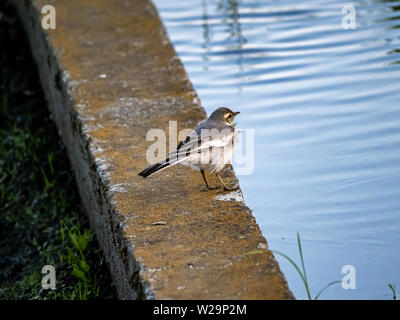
110 73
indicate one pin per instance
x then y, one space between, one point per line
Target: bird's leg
204 177
235 187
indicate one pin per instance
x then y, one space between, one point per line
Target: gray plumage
209 147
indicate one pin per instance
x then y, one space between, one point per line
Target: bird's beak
236 113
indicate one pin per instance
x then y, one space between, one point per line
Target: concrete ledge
110 74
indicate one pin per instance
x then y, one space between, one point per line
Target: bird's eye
229 117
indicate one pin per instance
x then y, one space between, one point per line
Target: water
324 103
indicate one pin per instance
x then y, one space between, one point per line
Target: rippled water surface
325 106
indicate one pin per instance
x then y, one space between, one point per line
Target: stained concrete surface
110 74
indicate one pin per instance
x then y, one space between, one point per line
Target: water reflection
206 32
396 18
395 51
229 9
324 103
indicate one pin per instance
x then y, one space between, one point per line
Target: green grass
392 287
42 221
302 271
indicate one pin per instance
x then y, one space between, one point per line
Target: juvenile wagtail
208 148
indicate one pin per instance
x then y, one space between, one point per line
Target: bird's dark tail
174 158
154 168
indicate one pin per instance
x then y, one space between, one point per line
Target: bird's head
224 114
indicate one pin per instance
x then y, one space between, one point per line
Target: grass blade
301 256
327 286
298 270
393 289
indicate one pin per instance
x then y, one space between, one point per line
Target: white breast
214 155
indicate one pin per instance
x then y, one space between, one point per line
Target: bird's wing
206 136
202 139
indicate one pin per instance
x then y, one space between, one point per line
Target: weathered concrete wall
110 74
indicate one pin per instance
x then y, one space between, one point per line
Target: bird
208 148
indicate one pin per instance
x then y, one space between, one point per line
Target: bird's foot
226 188
234 187
212 187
